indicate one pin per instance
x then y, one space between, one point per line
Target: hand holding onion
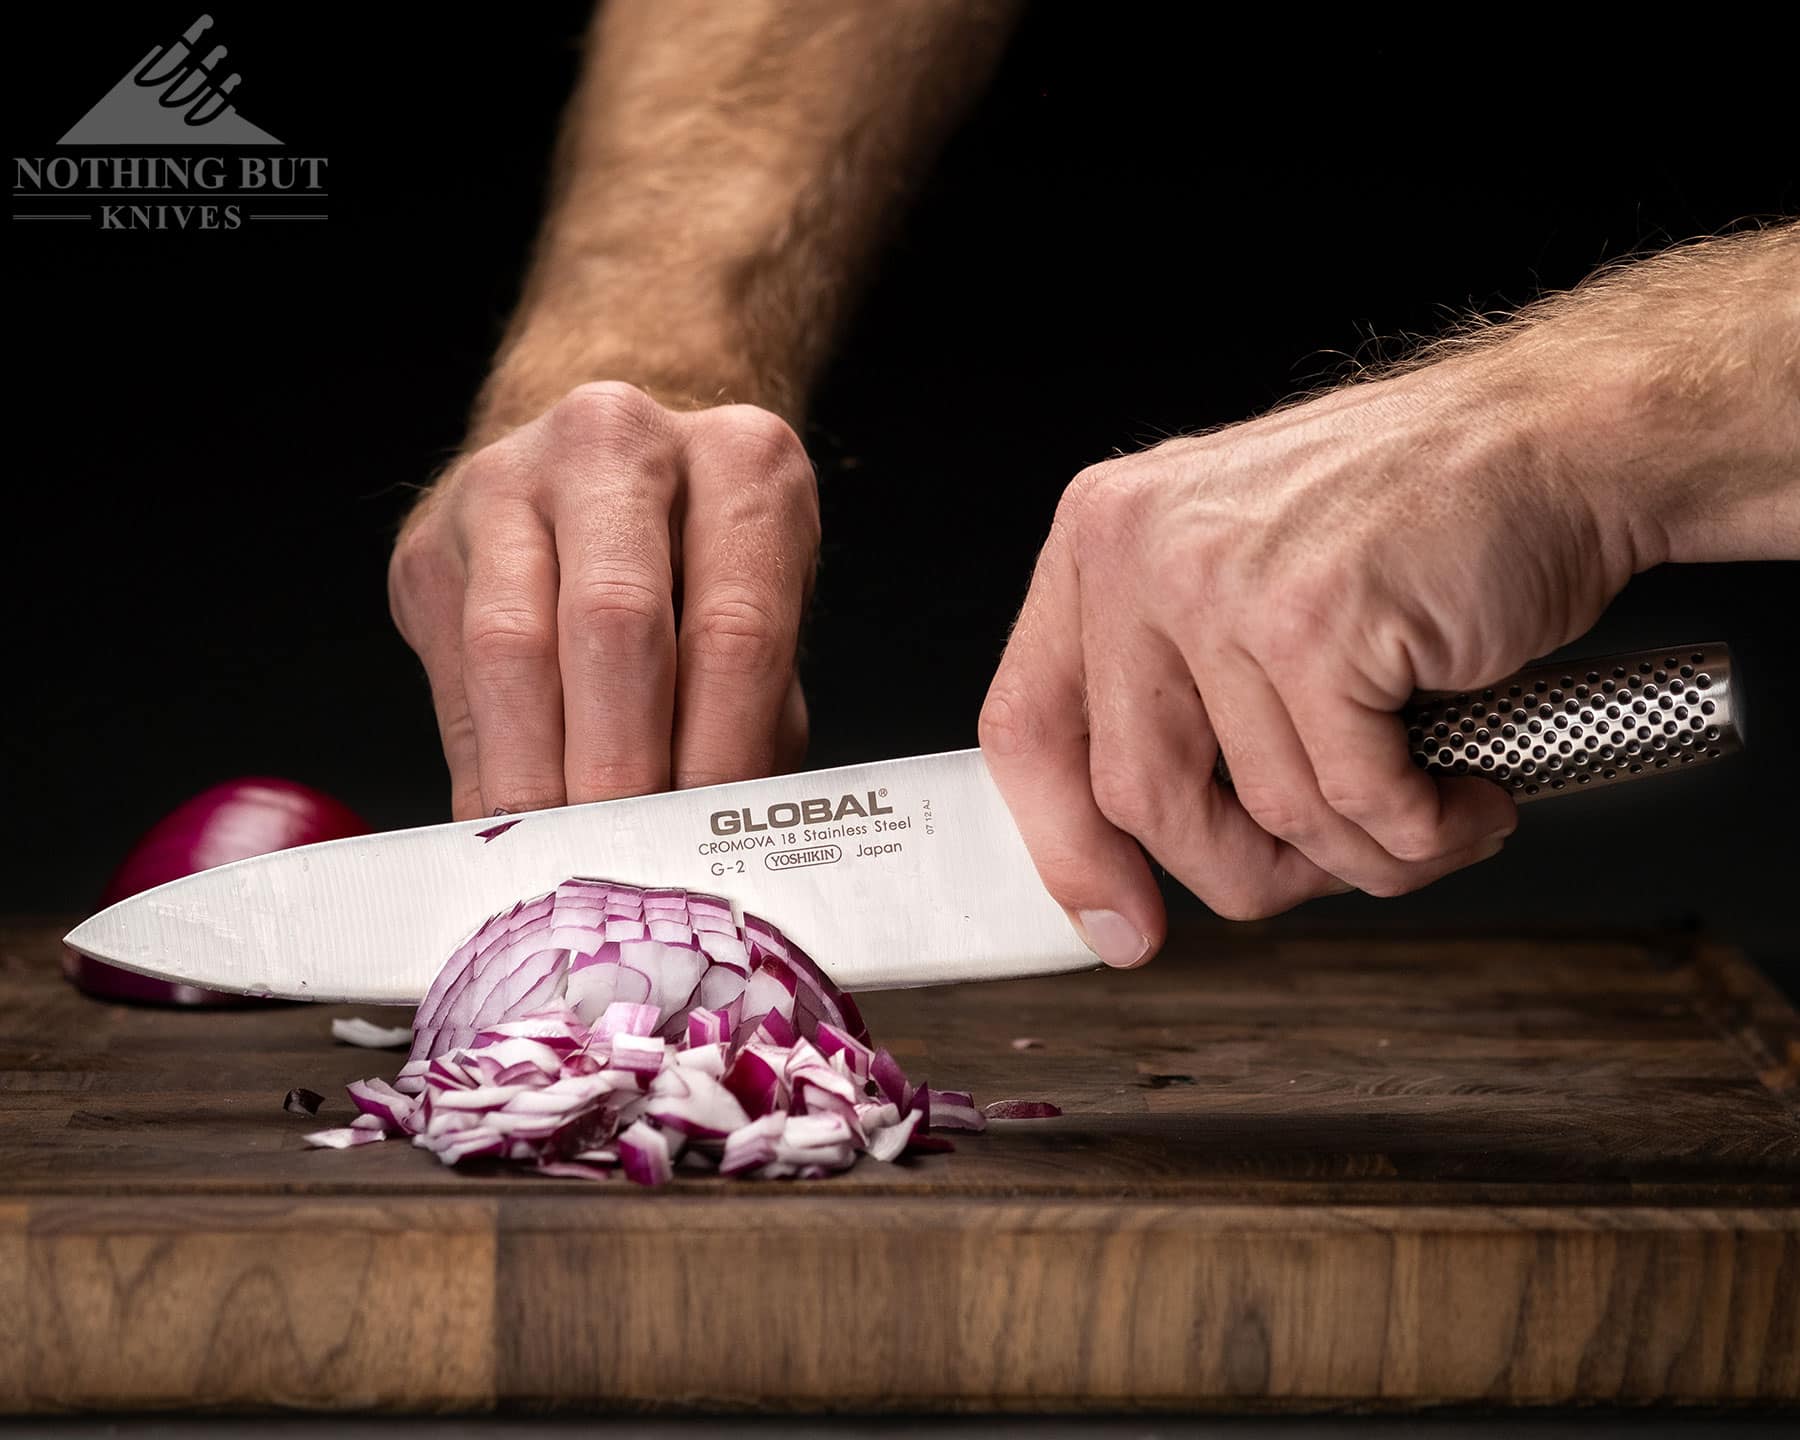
1276 590
608 600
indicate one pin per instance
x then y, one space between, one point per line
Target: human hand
1277 590
608 601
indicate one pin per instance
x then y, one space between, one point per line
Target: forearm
1671 391
724 175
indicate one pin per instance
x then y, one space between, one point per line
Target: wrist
687 360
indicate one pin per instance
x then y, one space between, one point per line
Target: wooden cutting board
1291 1173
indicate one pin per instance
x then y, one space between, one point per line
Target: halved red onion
232 821
602 1029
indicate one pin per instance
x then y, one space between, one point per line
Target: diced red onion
380 1099
887 1141
601 1030
343 1138
370 1036
885 1071
834 1040
644 1152
300 1101
1021 1110
953 1110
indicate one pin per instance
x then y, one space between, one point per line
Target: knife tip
85 938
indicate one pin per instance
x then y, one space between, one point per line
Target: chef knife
902 872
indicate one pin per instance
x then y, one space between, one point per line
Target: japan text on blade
904 872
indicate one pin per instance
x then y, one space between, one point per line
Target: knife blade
898 873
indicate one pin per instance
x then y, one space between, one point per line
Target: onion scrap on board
603 1030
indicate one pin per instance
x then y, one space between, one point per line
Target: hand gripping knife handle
1565 726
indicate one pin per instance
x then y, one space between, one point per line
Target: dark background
1146 226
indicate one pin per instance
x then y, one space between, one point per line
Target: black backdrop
1147 225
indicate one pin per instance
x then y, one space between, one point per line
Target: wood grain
1291 1173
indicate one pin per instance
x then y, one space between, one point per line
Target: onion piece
369 1035
343 1138
953 1110
644 1152
1021 1110
887 1141
299 1101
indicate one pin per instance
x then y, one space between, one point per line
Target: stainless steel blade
905 872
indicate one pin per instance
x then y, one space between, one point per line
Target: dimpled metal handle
1564 726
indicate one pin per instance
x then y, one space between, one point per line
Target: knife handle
1572 725
1561 727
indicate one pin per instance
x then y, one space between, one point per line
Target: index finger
1034 735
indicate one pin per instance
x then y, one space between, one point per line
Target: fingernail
1113 938
1341 887
1491 847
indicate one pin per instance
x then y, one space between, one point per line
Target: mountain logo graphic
174 96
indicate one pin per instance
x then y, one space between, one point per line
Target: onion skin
232 821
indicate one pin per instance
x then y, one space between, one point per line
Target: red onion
229 822
602 1029
369 1036
1021 1110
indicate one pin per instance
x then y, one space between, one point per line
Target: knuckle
507 636
1238 897
1127 796
698 777
494 469
1009 725
1080 491
1278 812
1389 882
517 796
740 635
456 728
1292 628
758 435
607 410
1065 871
1094 503
1351 798
1404 825
617 613
421 578
1412 843
613 777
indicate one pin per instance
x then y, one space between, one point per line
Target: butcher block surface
1290 1173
